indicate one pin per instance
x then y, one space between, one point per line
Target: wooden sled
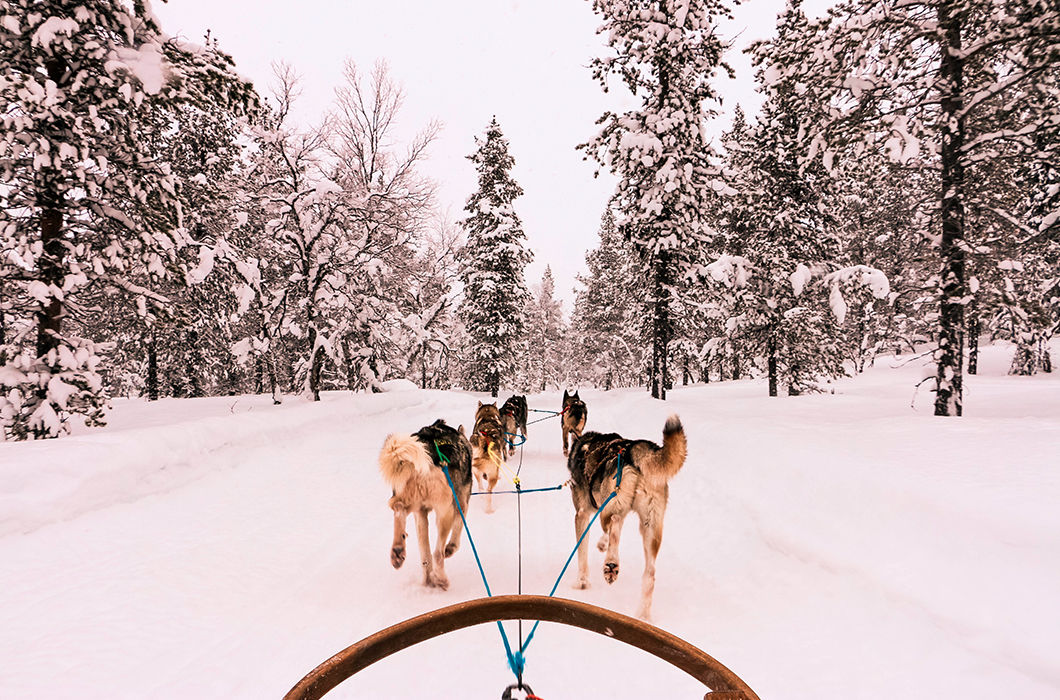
721 683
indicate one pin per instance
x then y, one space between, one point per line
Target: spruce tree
956 85
495 257
784 225
85 202
608 351
666 54
546 338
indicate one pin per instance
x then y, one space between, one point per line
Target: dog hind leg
443 522
614 534
489 493
458 527
426 557
651 531
397 549
582 516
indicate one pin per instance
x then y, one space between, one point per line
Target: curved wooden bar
723 683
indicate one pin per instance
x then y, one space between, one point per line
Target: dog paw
397 556
436 581
610 571
581 585
450 549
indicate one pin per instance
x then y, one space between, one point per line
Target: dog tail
402 458
671 457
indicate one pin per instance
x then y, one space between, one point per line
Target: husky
487 449
572 418
646 470
513 417
412 465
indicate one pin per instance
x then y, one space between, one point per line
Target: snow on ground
832 546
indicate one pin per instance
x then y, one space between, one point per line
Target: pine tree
85 203
605 324
495 294
784 224
953 83
666 53
546 338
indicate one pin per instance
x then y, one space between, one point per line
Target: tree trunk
771 362
660 329
973 344
423 367
316 361
49 317
948 399
152 367
351 375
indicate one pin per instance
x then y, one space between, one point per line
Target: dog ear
480 404
575 394
565 394
461 430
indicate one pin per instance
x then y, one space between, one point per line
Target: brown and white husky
412 466
487 449
644 489
572 418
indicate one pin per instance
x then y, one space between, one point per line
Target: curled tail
671 457
402 458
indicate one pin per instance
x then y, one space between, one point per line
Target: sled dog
487 449
646 470
513 417
572 419
412 466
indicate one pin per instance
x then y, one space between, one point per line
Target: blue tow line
517 660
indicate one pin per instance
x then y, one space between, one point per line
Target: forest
168 230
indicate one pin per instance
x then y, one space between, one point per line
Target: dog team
636 471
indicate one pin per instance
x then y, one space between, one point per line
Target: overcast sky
461 62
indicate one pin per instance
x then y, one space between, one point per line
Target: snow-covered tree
344 208
606 323
85 202
389 207
546 338
429 307
780 223
956 84
666 53
495 257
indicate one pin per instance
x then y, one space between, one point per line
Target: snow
799 278
49 29
827 546
146 63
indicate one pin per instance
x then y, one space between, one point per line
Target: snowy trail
815 546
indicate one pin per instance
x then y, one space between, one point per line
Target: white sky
461 62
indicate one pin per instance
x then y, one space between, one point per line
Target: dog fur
513 417
572 420
646 471
410 464
487 449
